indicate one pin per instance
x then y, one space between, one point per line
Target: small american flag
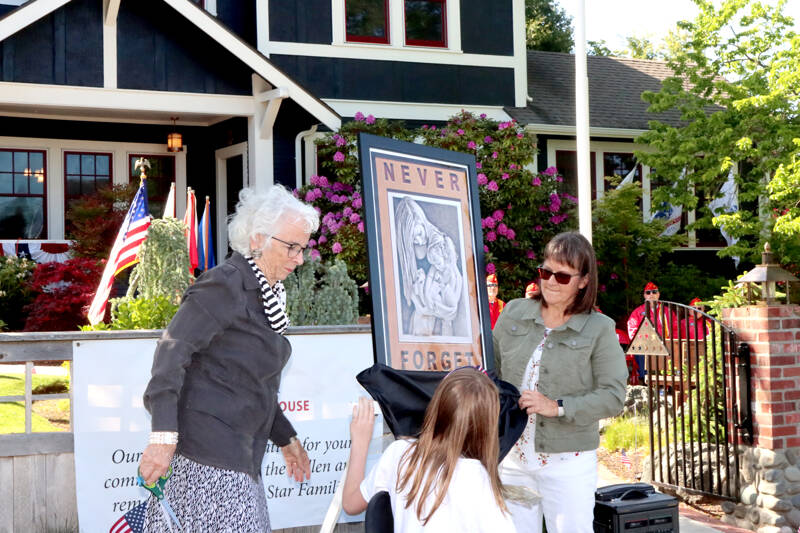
132 521
624 459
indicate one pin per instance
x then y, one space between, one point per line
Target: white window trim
55 149
397 29
221 218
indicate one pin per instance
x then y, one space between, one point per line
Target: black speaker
634 508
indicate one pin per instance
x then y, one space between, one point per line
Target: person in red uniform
661 318
495 304
695 323
531 290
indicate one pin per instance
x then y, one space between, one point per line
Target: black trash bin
634 508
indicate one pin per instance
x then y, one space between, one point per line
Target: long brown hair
460 421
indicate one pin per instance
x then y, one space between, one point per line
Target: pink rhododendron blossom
341 141
488 140
478 165
488 222
494 155
471 145
511 234
559 179
347 211
322 239
361 226
485 249
483 115
558 219
315 254
370 119
312 243
602 288
433 127
512 166
355 218
536 182
550 171
490 268
538 228
498 215
356 202
530 255
505 175
492 186
502 125
482 179
459 131
502 229
322 181
336 248
614 275
520 135
310 196
338 157
359 116
491 236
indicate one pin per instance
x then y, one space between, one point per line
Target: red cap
650 286
491 278
696 301
531 289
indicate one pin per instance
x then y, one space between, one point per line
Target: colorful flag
727 202
125 251
190 220
205 248
132 521
629 178
169 207
625 460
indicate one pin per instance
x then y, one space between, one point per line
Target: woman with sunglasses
213 395
570 369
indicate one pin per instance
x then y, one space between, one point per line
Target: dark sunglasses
561 277
651 292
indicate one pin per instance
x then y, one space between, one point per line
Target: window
367 21
160 177
85 172
23 182
620 165
426 22
567 165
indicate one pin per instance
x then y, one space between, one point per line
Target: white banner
318 389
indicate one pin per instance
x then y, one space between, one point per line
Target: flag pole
206 236
582 125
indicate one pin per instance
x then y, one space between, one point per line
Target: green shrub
15 290
626 433
320 293
141 313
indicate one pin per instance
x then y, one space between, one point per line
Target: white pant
567 491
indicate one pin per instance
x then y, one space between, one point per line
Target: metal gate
698 388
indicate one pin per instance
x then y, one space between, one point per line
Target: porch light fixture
766 275
174 139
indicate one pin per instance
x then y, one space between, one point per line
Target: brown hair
460 421
573 249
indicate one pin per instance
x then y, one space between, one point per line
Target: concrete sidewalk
690 521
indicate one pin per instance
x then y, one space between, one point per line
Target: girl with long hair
445 480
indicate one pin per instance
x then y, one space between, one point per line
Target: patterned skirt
206 499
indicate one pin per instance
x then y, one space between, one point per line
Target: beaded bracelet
163 437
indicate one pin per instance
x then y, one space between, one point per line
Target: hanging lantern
766 276
174 139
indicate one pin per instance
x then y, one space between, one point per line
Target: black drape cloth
403 396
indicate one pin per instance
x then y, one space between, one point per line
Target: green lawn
12 414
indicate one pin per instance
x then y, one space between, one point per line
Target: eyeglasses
491 284
651 292
292 248
561 277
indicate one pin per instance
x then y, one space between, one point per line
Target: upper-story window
367 21
426 22
397 22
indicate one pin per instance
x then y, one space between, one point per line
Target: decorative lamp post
766 275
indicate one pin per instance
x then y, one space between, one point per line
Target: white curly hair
263 213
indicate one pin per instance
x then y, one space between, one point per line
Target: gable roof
615 89
34 10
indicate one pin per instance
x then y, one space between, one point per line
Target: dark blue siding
487 27
301 21
63 48
291 120
158 49
240 17
397 81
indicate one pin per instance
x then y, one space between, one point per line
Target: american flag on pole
624 459
132 521
124 252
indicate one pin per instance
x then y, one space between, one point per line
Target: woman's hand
534 402
155 461
296 458
362 422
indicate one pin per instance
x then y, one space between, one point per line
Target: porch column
770 468
261 163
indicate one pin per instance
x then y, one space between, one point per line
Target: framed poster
429 302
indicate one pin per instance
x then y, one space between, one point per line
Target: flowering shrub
522 210
15 290
63 292
93 220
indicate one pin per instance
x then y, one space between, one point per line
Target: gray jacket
582 364
216 373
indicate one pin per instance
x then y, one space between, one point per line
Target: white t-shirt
468 506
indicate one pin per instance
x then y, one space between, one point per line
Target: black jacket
217 370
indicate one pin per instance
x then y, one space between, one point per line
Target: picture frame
426 267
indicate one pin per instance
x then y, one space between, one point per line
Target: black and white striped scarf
273 298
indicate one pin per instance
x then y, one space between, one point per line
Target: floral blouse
524 448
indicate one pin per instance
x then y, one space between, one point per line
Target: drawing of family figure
431 278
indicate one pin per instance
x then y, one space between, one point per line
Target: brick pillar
773 333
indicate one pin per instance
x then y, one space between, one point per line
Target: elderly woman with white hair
213 395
